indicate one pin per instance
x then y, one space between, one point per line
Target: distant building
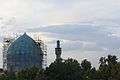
58 51
22 53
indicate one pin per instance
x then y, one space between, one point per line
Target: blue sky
87 28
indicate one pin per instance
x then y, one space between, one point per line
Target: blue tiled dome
24 53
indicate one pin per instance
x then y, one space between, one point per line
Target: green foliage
70 69
7 77
66 70
88 73
29 74
86 65
109 68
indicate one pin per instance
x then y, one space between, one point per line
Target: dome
24 53
24 44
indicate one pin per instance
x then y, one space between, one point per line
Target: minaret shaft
58 51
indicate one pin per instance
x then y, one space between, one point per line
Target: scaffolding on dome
6 44
44 49
8 41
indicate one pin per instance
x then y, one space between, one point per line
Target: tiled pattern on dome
24 53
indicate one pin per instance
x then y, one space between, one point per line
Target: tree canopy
71 69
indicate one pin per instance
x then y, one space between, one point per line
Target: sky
87 29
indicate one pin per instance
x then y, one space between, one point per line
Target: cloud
82 40
80 30
86 27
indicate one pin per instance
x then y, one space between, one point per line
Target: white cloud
99 35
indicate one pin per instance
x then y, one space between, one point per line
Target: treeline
71 69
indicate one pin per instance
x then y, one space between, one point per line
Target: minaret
58 51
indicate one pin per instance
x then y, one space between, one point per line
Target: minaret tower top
58 51
58 44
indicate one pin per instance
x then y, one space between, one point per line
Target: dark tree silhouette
66 70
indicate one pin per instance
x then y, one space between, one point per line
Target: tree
28 74
112 60
64 70
86 65
109 68
87 71
41 75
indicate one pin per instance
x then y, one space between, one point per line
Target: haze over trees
71 69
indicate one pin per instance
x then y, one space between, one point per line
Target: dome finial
25 33
58 43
